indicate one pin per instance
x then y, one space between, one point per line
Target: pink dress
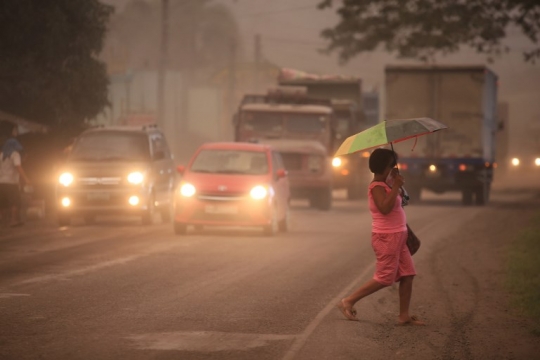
389 240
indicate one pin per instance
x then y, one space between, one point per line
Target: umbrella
389 132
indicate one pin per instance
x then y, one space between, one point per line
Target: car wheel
64 220
273 228
179 228
165 213
285 223
148 215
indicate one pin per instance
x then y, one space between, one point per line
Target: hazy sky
290 31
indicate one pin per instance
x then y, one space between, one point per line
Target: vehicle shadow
228 232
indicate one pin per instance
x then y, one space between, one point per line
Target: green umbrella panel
387 132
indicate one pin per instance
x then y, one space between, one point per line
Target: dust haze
289 37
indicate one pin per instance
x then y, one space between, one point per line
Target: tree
49 71
419 29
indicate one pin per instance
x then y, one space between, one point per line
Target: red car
233 184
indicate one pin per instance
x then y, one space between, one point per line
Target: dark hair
380 159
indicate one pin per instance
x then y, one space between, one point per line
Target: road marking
204 341
99 266
10 295
302 338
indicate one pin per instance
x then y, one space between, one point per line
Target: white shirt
8 168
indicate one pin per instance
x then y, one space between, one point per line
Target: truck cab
302 130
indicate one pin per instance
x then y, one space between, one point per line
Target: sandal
349 313
413 321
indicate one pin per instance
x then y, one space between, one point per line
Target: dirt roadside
467 275
459 292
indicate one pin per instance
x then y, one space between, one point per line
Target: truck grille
292 161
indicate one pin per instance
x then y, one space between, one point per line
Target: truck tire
324 199
355 188
482 194
415 193
466 196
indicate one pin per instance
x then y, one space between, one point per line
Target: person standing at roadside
11 172
388 239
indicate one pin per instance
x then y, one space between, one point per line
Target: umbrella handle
403 191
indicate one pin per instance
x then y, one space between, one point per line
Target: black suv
117 170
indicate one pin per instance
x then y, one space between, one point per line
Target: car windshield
306 123
111 146
230 162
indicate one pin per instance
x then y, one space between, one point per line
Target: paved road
118 290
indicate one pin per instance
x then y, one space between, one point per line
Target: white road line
302 338
99 266
10 295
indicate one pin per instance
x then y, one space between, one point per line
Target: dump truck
354 110
462 157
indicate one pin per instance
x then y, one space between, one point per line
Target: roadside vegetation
523 275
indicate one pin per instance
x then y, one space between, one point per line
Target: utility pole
257 59
162 63
231 83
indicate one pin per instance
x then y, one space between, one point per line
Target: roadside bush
523 275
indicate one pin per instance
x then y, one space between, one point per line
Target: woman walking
388 239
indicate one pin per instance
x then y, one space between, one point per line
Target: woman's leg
405 294
346 304
367 289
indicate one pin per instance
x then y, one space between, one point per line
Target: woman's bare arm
383 200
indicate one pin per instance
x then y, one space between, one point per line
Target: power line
271 12
295 41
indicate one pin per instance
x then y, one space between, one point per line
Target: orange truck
354 110
301 129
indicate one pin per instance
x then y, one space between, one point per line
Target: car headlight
259 192
65 179
187 190
432 168
336 162
135 178
537 161
515 161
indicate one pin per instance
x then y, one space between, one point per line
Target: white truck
462 157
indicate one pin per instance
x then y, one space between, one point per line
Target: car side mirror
181 169
281 173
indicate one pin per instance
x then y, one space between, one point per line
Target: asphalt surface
120 290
